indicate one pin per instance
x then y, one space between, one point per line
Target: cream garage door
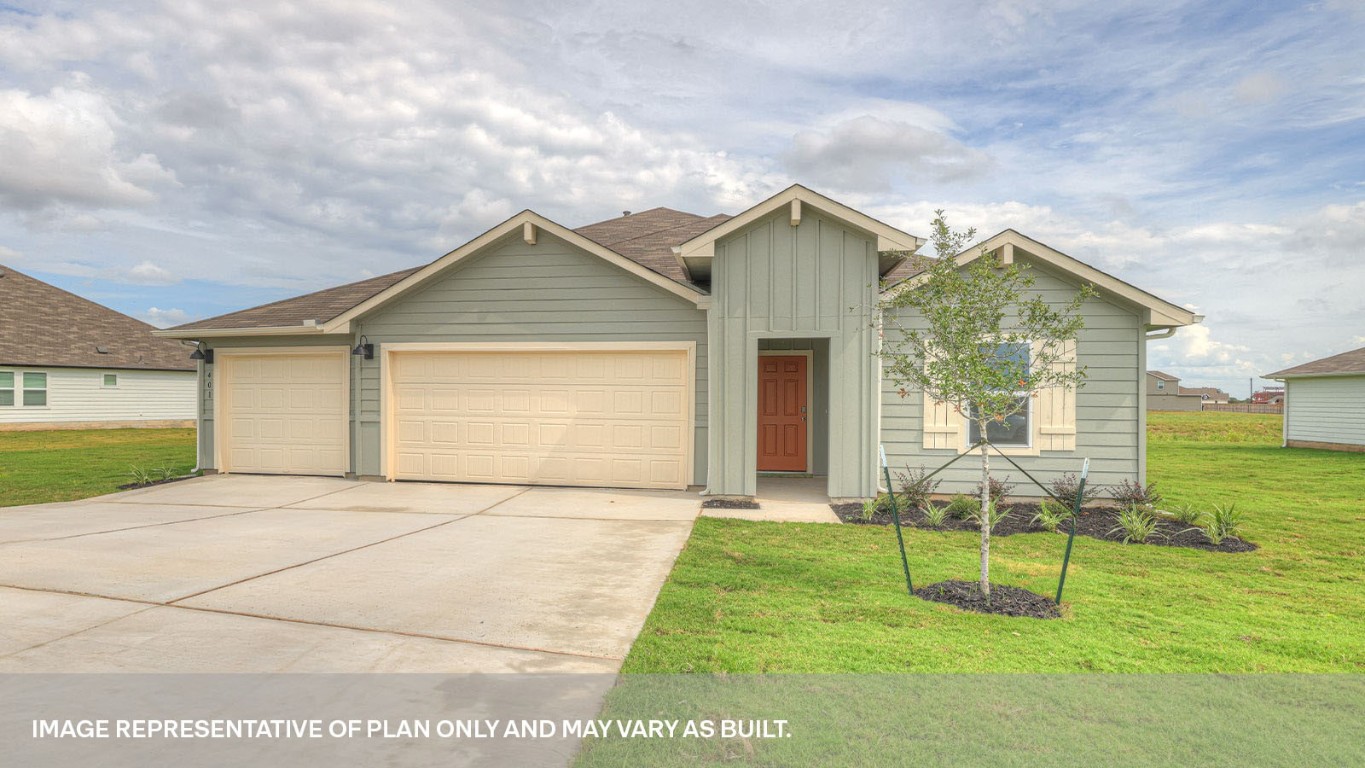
283 413
607 418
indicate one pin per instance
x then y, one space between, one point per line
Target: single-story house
659 349
66 362
1164 393
1324 402
1268 396
1209 395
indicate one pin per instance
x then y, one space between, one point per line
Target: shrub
963 507
1222 523
870 508
916 488
1185 513
994 514
1052 515
998 490
934 515
1137 523
1129 494
1066 486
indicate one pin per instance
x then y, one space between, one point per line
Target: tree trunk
985 518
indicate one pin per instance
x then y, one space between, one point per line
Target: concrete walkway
244 573
786 500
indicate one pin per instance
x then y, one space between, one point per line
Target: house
1268 396
1324 402
659 349
66 362
1164 393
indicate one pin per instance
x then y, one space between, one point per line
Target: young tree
975 337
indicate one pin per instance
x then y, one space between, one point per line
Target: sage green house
656 350
1324 403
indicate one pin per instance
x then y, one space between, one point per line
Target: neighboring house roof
1163 375
1212 393
45 326
1344 364
1163 314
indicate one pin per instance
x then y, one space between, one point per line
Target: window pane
1014 430
6 379
111 379
35 381
6 397
35 396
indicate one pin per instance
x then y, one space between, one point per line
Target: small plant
934 515
1185 513
1222 523
1066 487
994 514
1129 494
963 507
1051 515
870 508
141 476
916 488
998 489
1137 523
165 473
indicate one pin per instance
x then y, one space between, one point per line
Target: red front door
782 413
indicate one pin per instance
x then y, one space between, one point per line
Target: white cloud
147 273
164 318
869 153
62 147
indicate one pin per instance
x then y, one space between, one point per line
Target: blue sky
176 160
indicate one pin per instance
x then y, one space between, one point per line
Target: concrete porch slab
785 500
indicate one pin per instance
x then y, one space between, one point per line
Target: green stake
896 516
1071 537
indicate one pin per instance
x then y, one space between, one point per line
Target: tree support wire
1075 512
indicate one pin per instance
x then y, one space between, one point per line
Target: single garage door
608 418
283 413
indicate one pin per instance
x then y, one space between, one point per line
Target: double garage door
587 417
619 418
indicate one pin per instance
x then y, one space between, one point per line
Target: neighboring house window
35 389
6 388
1160 384
111 379
1015 429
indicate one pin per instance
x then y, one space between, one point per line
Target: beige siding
79 395
1330 409
1108 412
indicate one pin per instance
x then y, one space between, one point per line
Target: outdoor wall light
202 352
364 349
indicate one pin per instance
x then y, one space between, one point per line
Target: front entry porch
786 500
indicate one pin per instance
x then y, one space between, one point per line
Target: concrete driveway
274 574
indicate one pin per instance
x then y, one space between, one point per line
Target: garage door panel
285 413
566 418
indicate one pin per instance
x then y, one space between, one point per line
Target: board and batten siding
813 281
79 395
1109 410
1327 409
514 292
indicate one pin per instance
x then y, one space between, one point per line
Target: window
35 389
1015 429
111 379
1160 384
6 388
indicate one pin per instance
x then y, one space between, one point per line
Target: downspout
198 406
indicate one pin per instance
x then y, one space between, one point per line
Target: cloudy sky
180 159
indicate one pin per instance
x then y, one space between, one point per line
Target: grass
771 597
63 465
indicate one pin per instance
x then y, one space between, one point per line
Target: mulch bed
1004 600
729 504
135 486
1095 522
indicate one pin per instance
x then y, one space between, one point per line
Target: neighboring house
1164 393
655 350
1209 395
1324 402
1268 396
66 362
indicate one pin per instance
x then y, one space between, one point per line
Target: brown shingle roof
43 325
1346 362
646 238
1213 392
320 305
1165 376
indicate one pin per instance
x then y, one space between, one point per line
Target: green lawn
770 597
62 465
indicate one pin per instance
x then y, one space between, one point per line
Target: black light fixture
364 349
202 352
